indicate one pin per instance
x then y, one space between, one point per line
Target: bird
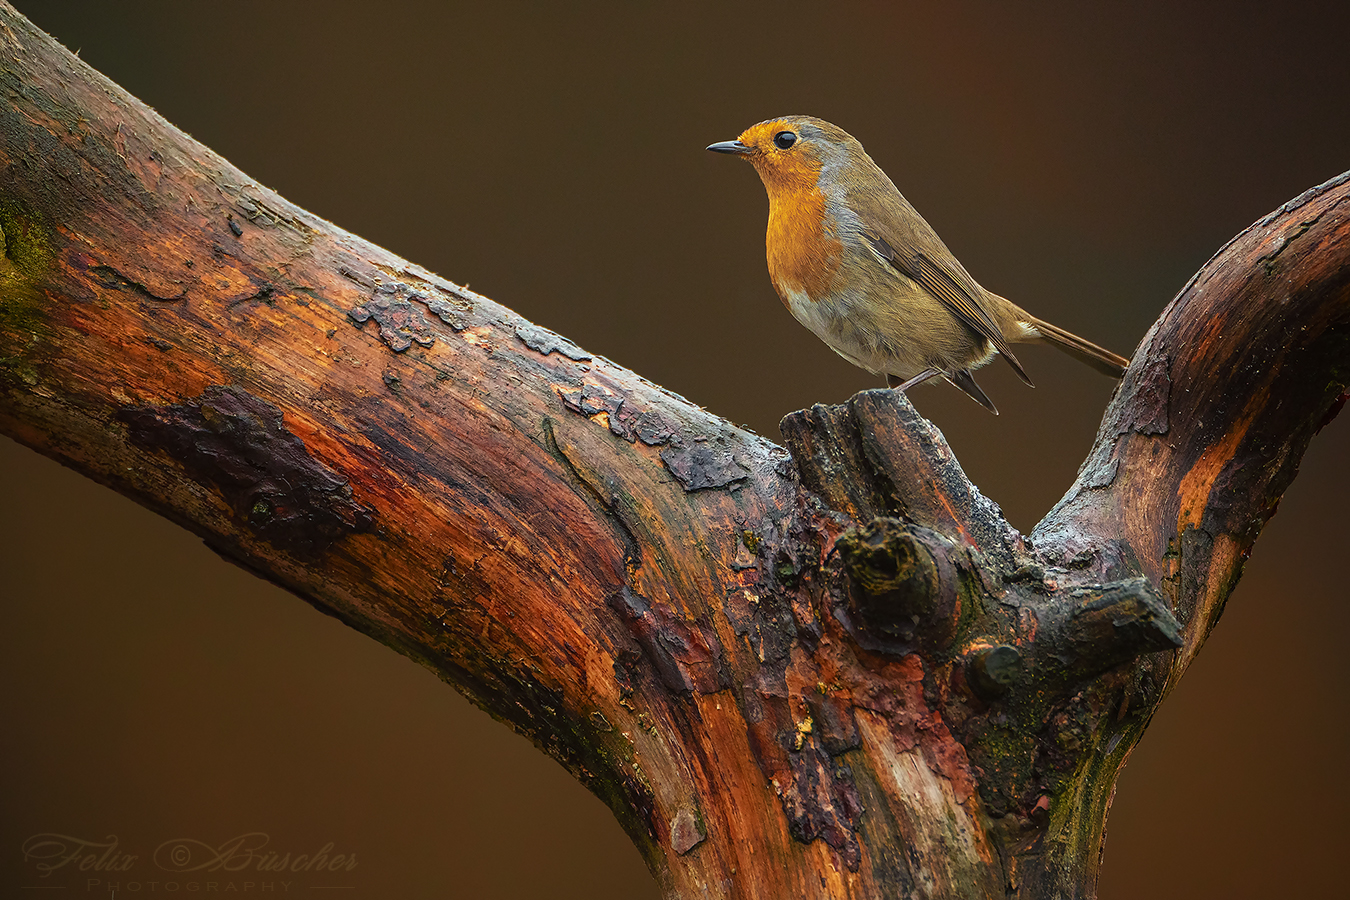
856 264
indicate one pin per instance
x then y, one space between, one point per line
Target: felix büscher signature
247 852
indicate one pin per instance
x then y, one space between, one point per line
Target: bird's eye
784 139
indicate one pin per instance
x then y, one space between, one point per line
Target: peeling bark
830 669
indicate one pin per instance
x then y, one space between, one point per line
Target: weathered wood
830 672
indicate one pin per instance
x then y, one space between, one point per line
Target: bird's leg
895 383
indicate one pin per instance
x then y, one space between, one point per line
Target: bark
826 670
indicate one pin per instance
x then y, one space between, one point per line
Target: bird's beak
729 147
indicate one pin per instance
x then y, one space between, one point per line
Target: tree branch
1228 388
830 670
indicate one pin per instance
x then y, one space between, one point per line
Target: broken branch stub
937 708
1088 630
904 594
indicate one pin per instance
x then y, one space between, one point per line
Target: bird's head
790 153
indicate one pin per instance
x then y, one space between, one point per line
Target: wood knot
903 585
993 670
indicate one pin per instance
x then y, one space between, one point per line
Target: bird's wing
966 382
952 290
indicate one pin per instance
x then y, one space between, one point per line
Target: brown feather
1081 349
856 264
960 299
966 382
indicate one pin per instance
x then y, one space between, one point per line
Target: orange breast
804 253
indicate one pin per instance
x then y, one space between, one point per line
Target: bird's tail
1102 360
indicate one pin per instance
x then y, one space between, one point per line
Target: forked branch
831 670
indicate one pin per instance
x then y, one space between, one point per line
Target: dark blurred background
1082 160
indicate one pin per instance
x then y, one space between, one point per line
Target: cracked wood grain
831 670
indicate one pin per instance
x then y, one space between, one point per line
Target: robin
859 267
